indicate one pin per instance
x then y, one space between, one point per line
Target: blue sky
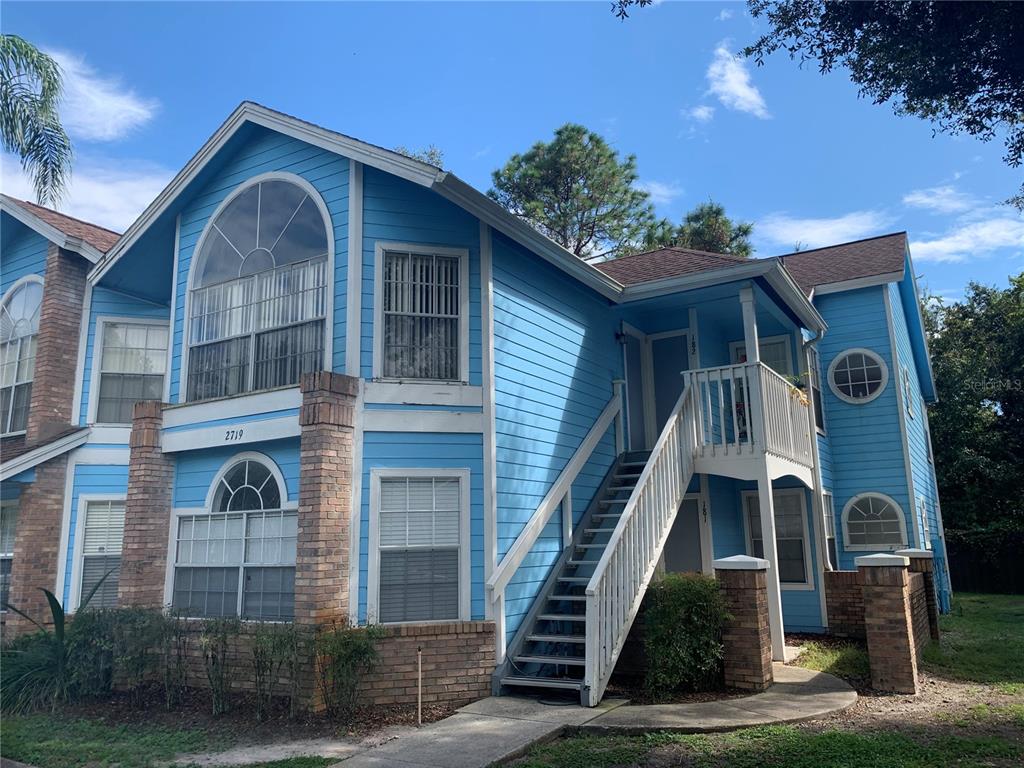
797 153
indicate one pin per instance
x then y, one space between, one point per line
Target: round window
858 376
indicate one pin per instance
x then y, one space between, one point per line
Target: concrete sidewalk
495 730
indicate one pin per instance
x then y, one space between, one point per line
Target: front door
683 547
669 357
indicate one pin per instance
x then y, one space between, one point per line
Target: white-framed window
132 362
922 506
8 529
260 290
101 533
238 557
908 390
829 513
857 375
792 541
873 522
419 545
928 437
19 327
775 351
814 374
421 323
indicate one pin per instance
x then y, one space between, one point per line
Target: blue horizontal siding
23 254
107 303
433 450
396 210
265 152
555 356
195 471
236 420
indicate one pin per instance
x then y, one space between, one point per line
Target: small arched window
857 376
259 293
239 558
19 327
873 521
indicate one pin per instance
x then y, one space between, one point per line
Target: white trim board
354 278
422 393
233 407
240 433
56 236
423 421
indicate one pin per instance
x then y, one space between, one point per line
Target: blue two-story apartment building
385 399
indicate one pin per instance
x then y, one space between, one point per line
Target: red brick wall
747 636
53 385
37 543
888 620
919 613
845 604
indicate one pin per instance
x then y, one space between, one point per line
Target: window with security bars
19 326
101 552
238 560
419 540
790 534
873 521
258 307
132 366
8 526
421 307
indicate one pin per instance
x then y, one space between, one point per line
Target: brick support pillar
60 319
747 637
885 582
147 514
921 562
325 497
37 545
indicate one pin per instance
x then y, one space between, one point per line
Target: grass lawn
846 660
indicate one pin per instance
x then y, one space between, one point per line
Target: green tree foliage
705 228
431 155
977 349
577 191
30 91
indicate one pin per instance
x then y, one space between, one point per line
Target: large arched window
238 558
19 326
259 292
873 521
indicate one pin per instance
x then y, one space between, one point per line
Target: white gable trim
43 453
50 232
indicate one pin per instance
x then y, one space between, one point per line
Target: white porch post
766 506
749 324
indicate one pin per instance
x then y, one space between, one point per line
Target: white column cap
740 563
882 560
918 553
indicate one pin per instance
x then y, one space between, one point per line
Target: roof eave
63 240
857 282
37 456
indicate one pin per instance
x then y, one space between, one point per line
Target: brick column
747 637
60 319
147 513
37 545
325 497
885 582
921 562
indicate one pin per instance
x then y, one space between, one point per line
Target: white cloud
662 193
702 113
729 80
972 239
724 15
111 193
97 107
782 229
944 199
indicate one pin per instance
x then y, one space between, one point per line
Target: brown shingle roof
849 261
100 238
664 262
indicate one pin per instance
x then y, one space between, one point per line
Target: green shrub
343 655
216 638
174 640
276 647
684 616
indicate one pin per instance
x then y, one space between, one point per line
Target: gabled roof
27 456
664 262
71 234
871 261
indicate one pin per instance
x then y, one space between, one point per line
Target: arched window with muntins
19 327
238 559
259 293
873 521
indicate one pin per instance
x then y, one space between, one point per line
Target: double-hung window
19 326
259 299
420 536
8 526
908 390
423 327
133 361
102 537
791 540
829 513
239 559
774 351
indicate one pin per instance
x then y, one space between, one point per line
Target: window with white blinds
774 352
790 534
133 360
421 315
8 527
102 536
419 523
19 326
